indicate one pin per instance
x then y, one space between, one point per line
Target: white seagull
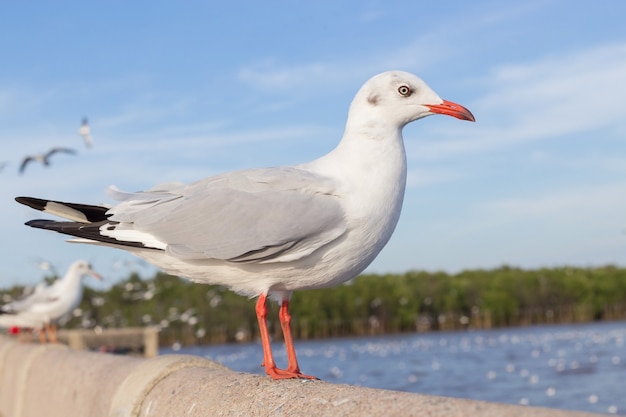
85 131
44 158
48 304
272 231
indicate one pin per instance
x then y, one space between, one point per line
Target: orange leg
51 330
293 370
285 324
42 335
261 315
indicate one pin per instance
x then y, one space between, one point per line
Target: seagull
48 303
85 132
44 158
271 231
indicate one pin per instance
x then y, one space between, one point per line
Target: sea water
576 367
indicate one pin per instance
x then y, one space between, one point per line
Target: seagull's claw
277 373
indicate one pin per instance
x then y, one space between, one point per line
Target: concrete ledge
135 340
130 395
49 380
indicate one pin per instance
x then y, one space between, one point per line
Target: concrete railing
134 340
53 380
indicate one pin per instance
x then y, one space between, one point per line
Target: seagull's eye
404 90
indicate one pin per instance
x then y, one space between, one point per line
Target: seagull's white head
398 98
82 268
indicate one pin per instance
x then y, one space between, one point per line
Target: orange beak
96 275
452 109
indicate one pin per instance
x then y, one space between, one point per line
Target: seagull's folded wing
265 215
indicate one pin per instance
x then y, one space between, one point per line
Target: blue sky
181 91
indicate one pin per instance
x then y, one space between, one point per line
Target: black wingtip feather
92 213
89 231
41 224
36 203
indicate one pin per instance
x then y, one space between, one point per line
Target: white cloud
21 99
584 83
412 55
144 110
597 202
435 44
269 75
544 99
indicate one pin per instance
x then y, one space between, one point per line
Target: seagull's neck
71 280
366 149
369 164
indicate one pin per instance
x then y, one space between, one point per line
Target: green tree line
191 313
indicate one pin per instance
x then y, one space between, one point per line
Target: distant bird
85 132
44 157
270 231
46 266
3 165
48 303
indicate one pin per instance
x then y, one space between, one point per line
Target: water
575 367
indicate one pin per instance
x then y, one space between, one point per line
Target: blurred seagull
85 132
3 165
44 157
48 303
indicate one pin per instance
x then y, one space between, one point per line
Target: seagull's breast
370 182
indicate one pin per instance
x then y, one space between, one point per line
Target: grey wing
60 149
25 162
40 295
15 307
276 215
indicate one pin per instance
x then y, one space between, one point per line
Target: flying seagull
85 132
44 158
267 232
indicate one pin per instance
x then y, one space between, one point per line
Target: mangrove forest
415 301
